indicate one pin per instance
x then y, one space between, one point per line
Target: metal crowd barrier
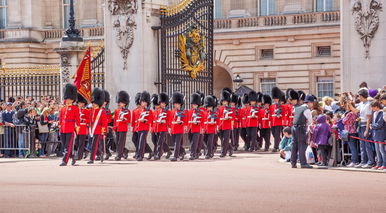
17 138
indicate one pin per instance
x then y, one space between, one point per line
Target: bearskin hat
107 96
267 99
195 98
202 97
137 98
302 95
81 99
163 98
123 97
154 100
292 94
11 99
276 93
225 95
70 92
215 99
98 97
145 97
282 98
245 99
252 96
239 103
259 97
209 101
227 89
178 98
234 98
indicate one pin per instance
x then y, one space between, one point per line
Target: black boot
173 159
73 162
168 155
90 162
117 158
63 164
150 156
108 155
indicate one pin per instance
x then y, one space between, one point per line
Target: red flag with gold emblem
83 76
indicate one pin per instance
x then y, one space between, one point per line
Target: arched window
66 13
3 14
324 5
267 7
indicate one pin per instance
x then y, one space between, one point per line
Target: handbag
43 128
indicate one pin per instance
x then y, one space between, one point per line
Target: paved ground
245 183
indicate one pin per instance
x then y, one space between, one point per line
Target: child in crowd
286 144
378 128
321 134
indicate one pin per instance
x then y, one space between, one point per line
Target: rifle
122 115
266 115
196 116
254 111
144 115
227 113
278 111
212 118
179 115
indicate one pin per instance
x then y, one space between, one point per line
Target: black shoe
135 156
156 158
207 157
73 162
63 164
98 158
222 156
246 149
230 153
182 157
117 158
294 166
274 150
306 166
125 155
85 155
266 150
139 159
150 156
90 162
258 148
251 150
173 159
101 158
235 149
108 156
168 155
192 158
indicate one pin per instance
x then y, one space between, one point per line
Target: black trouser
177 139
276 133
324 151
135 139
79 145
299 145
194 139
244 136
97 147
315 152
67 141
266 135
201 145
110 144
121 143
208 140
235 137
259 138
154 139
160 147
142 143
252 135
215 141
225 145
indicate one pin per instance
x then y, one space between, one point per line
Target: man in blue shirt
9 133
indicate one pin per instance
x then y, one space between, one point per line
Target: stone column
71 54
363 40
131 45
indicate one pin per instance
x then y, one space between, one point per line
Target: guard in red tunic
235 105
195 124
134 119
200 145
265 121
177 126
252 120
153 131
98 124
291 96
68 121
82 130
162 122
243 122
108 137
122 119
226 116
277 114
143 124
210 124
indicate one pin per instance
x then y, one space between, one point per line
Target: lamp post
72 34
238 80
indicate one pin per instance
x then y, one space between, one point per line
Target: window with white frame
217 9
325 86
3 14
266 85
267 7
324 5
66 13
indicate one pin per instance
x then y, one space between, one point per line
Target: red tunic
265 118
237 118
243 117
84 121
161 120
122 119
178 115
69 118
225 112
252 121
99 123
195 120
211 122
134 118
146 114
276 117
290 114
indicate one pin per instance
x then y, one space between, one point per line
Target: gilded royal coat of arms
192 51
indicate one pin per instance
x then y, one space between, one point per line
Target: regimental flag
83 76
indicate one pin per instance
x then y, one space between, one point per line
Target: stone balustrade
49 34
279 20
